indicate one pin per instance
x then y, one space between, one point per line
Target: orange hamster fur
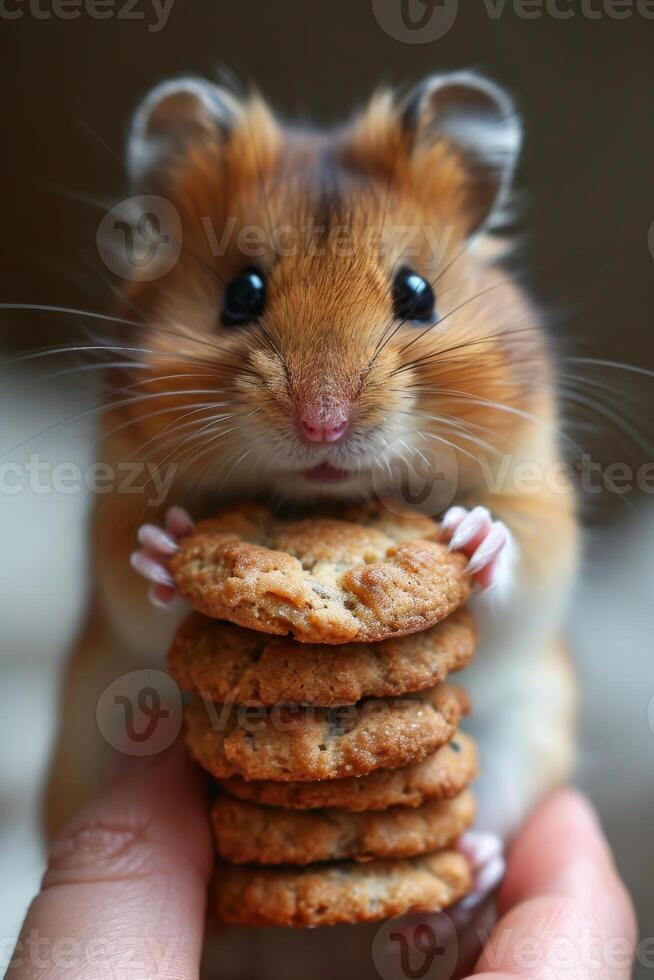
332 382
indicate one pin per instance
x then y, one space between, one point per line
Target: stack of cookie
322 709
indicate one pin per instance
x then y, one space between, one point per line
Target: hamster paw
157 545
455 935
488 544
486 854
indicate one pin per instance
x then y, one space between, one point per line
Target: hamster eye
244 299
413 297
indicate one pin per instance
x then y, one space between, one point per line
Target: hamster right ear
174 116
479 122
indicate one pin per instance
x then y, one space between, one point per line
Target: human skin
126 884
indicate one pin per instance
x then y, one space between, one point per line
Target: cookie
223 662
325 895
249 833
440 776
362 576
295 743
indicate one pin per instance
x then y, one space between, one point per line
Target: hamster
372 327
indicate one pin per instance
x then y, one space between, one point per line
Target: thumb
124 892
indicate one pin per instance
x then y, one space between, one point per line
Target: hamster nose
327 428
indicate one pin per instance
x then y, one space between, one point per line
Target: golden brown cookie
223 662
249 833
288 742
442 775
325 895
364 576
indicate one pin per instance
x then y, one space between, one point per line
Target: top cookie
365 575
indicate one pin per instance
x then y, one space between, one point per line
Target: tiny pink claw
487 878
152 537
480 848
149 568
178 522
162 596
476 523
453 517
490 548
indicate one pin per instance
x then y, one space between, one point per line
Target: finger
570 915
125 889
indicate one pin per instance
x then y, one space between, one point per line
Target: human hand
126 885
564 910
124 894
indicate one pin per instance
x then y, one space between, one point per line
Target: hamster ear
479 121
173 116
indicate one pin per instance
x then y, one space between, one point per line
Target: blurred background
583 81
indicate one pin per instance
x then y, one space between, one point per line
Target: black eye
413 297
244 299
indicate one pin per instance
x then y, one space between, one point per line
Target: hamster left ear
478 120
173 117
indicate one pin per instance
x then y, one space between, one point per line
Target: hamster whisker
620 422
106 318
194 454
199 427
461 432
617 365
446 442
437 356
199 408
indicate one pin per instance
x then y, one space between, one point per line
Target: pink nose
329 430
